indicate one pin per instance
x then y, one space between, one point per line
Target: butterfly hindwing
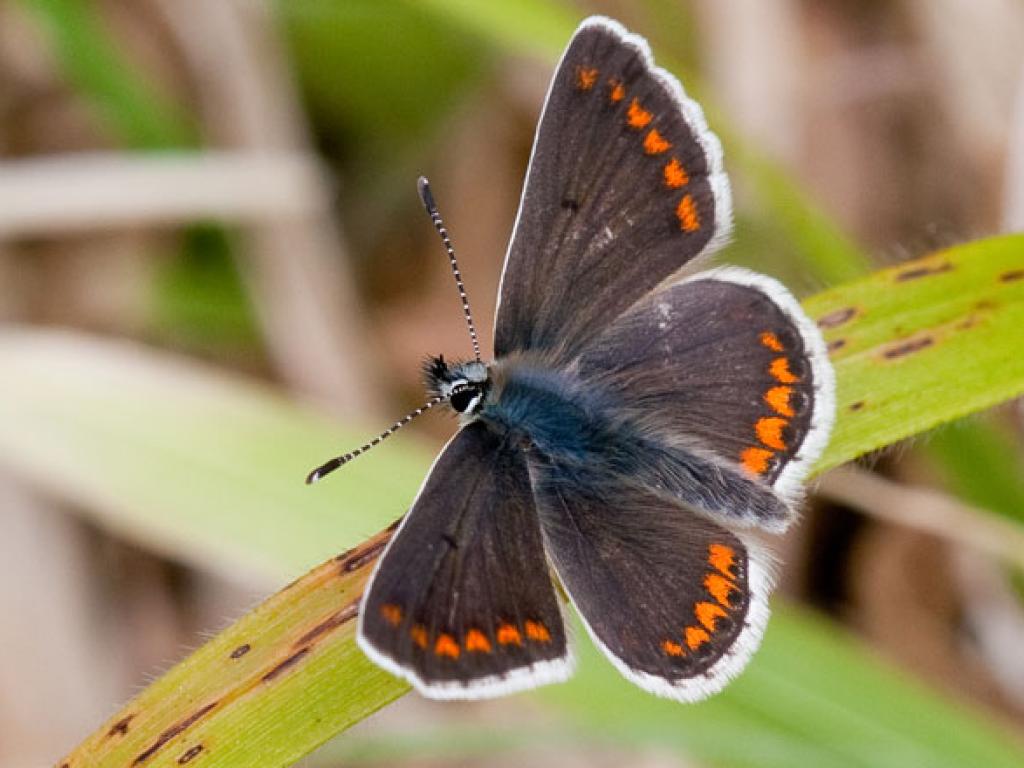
729 359
625 185
461 603
676 601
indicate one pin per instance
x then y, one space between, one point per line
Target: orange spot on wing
755 460
771 341
446 646
585 78
509 635
477 641
655 143
708 614
672 649
778 399
537 631
779 369
675 174
636 116
719 588
696 637
723 558
769 432
686 212
391 613
419 635
616 92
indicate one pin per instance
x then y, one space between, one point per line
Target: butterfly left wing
677 602
461 603
625 186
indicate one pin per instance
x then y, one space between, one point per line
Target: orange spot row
616 91
686 212
771 341
537 632
696 637
708 614
654 143
585 78
672 648
720 584
756 460
769 429
719 588
722 559
778 399
675 174
779 369
475 641
446 646
509 635
636 116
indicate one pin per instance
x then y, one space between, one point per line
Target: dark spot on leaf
345 555
291 661
188 756
333 621
916 272
1013 274
837 318
857 406
120 728
171 732
836 345
240 651
362 557
908 347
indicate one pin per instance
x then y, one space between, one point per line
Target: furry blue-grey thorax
535 404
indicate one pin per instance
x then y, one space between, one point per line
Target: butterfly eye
462 399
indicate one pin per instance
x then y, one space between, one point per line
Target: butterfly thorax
547 408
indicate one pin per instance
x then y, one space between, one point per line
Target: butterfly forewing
625 185
728 359
676 601
461 603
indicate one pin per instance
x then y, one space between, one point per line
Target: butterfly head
464 384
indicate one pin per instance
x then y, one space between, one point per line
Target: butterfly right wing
727 360
625 186
676 601
461 604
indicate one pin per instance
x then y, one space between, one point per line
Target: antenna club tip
423 186
312 477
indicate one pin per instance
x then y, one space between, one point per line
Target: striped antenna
428 202
327 467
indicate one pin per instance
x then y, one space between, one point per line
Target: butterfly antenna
327 467
428 202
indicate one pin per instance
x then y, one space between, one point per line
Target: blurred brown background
233 182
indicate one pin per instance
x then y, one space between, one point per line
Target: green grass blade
924 343
264 692
811 696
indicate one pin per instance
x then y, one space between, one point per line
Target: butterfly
638 423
